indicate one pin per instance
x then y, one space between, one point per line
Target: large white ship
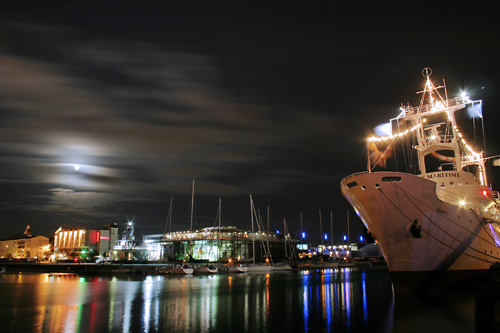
438 223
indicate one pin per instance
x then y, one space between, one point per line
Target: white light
77 167
384 129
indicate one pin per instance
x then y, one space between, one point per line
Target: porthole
363 187
377 185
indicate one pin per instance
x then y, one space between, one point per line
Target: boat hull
232 269
256 268
205 269
421 236
281 267
181 270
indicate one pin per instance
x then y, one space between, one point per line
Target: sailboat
256 267
440 223
268 266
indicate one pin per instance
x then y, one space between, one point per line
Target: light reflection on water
334 296
310 301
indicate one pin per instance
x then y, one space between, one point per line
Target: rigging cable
446 217
400 241
438 240
385 151
468 246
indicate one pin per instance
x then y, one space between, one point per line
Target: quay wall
80 268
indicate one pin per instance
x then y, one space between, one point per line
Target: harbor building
25 246
83 244
224 243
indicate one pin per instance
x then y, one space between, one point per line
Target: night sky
270 100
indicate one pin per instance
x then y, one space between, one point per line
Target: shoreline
114 268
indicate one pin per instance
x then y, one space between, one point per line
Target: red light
485 192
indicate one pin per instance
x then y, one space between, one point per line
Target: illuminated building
71 244
25 246
217 243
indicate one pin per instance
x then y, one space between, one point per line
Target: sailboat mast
302 234
168 224
219 241
331 233
170 217
284 232
321 228
253 235
268 219
267 235
192 205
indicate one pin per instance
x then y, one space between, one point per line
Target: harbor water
331 300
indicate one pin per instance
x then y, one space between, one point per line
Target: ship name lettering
443 212
443 175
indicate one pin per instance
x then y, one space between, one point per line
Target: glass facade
214 244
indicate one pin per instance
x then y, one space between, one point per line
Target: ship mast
434 125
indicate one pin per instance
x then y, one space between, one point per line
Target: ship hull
426 242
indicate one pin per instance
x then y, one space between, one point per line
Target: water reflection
333 297
309 301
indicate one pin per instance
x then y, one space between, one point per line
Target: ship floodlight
462 202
